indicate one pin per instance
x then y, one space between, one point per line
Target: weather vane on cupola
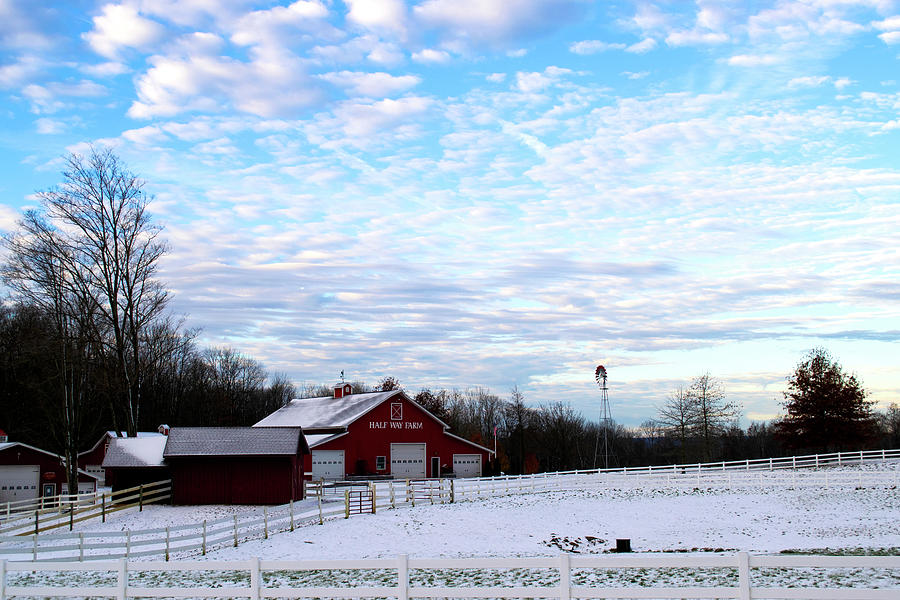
342 376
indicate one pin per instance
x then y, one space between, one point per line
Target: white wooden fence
741 576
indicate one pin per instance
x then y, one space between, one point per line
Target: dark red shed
236 465
27 472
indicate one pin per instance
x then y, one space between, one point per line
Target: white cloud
273 83
356 123
280 24
753 60
642 47
638 75
145 136
809 81
890 38
694 38
105 69
47 98
496 77
518 53
365 47
594 46
24 69
889 24
431 56
374 85
120 26
47 126
496 21
384 15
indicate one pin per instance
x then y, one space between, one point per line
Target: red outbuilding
27 472
236 465
92 460
380 433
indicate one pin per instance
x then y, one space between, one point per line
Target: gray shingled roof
234 441
135 452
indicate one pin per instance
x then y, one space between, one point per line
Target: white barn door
408 461
327 464
467 465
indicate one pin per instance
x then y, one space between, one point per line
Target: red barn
236 465
92 460
27 472
380 433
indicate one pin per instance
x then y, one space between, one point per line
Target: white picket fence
740 575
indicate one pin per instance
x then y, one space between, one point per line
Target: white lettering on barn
395 425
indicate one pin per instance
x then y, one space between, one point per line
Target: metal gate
360 501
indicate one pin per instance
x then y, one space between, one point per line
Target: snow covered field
703 519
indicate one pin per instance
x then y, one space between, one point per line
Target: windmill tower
605 416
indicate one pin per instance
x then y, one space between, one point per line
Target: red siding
236 480
372 436
52 469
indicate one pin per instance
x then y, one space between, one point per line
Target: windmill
605 416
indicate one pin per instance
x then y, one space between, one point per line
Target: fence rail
740 575
59 512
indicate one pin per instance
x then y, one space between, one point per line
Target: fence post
71 516
254 578
265 522
103 506
391 485
403 577
127 543
291 509
565 583
167 544
35 548
122 580
81 546
141 498
346 504
372 491
36 522
235 531
744 575
3 579
203 549
321 522
452 492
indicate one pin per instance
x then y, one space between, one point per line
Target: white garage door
467 465
19 482
98 472
327 464
408 461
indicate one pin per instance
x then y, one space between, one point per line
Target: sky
494 193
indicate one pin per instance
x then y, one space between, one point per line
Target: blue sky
495 192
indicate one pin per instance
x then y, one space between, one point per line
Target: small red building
380 433
130 462
27 472
92 460
236 465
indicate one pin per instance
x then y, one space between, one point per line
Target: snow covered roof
135 452
112 434
317 439
326 411
234 441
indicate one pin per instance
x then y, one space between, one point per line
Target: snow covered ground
582 521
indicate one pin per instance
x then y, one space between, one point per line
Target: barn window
396 411
380 463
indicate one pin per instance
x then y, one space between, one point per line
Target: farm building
236 465
380 433
27 472
92 460
130 462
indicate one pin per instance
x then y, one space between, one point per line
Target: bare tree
112 250
679 418
714 412
42 271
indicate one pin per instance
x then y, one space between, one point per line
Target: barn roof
112 434
329 412
135 452
234 441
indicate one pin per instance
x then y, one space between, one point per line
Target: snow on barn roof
234 441
112 434
317 439
326 411
135 452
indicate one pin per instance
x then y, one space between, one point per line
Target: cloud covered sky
495 192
